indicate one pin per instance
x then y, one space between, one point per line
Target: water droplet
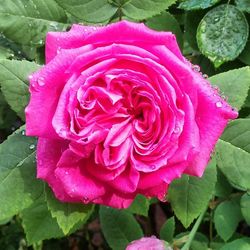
23 132
205 76
153 167
66 172
13 128
30 77
58 50
196 68
85 199
32 146
218 104
41 81
216 19
176 130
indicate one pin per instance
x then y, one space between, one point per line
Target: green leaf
38 223
240 244
227 216
139 206
14 83
143 9
222 34
233 153
245 207
197 4
5 53
119 227
222 188
27 22
167 22
243 5
234 84
190 195
168 229
19 187
238 134
91 11
68 215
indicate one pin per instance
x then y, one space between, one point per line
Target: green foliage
236 93
38 223
67 215
19 187
14 83
190 195
226 218
27 22
197 4
166 22
245 207
139 206
168 229
119 227
222 34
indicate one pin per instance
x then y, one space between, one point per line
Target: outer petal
45 87
55 41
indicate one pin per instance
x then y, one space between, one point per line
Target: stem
193 231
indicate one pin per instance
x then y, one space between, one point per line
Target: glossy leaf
245 207
197 4
168 229
222 34
140 205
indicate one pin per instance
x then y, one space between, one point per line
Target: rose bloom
148 243
118 111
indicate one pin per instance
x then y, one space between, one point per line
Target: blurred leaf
222 187
192 20
19 187
227 216
67 214
234 84
243 5
14 83
139 206
197 4
5 53
38 223
91 11
27 22
240 244
190 195
168 229
143 9
166 22
222 34
245 55
245 207
233 153
119 227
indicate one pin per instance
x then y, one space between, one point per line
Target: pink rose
119 111
148 243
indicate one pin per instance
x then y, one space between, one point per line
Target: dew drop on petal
218 104
41 81
176 130
196 68
85 199
205 76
